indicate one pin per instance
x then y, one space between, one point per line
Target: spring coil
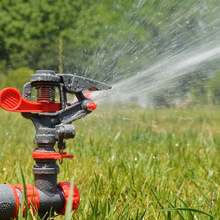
46 94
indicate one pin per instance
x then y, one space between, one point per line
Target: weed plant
129 164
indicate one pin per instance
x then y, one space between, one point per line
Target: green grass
130 164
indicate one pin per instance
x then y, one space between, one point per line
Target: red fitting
65 186
48 155
91 106
32 195
16 201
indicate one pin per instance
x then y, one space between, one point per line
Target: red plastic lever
12 100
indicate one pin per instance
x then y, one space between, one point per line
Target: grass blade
158 201
25 195
186 209
69 203
142 217
113 205
206 199
192 217
176 211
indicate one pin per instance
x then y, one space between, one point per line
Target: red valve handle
12 100
53 155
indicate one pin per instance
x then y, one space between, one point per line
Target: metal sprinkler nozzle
52 123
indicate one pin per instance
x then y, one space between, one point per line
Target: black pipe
8 202
50 202
10 199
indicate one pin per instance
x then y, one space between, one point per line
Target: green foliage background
17 78
101 39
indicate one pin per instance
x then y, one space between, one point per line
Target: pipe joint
38 200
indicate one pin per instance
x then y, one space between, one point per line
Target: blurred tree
17 78
30 30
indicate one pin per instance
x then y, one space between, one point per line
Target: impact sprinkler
52 121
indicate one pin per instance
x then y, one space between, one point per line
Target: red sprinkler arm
12 100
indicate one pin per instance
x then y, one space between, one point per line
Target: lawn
130 163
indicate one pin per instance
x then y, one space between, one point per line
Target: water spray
52 121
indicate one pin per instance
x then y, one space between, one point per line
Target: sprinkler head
52 118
